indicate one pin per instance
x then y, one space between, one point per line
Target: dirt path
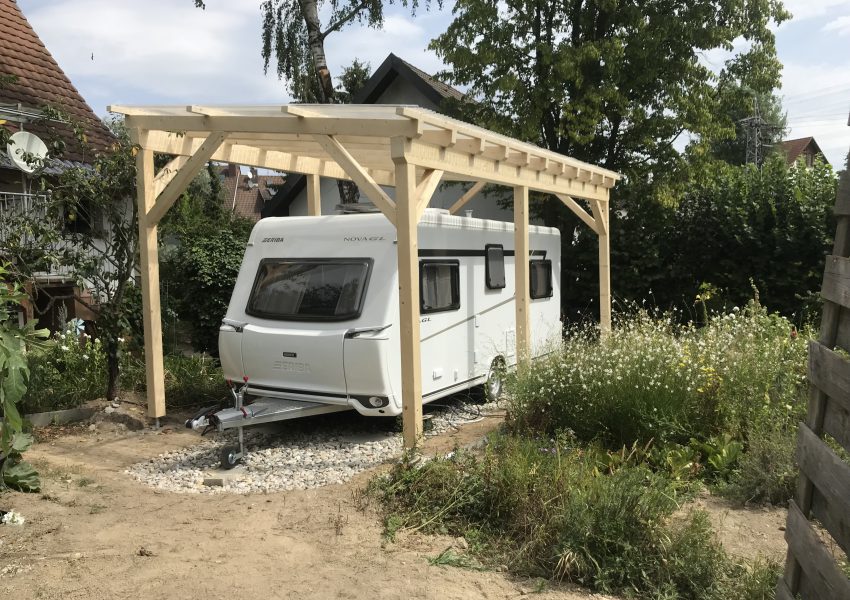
95 533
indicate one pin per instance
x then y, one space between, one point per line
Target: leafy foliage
14 375
549 508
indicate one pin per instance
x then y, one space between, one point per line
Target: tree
606 81
85 218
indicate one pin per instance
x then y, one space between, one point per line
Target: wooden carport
408 148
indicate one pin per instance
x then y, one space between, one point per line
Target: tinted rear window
309 289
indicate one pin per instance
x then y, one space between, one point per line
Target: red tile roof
792 149
246 196
41 82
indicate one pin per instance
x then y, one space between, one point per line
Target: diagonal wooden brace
184 176
358 175
580 212
425 189
467 196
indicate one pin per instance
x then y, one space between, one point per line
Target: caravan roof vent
437 211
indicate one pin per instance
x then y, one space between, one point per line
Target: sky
169 52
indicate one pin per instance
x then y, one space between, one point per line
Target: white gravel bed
306 453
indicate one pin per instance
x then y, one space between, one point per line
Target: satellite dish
26 150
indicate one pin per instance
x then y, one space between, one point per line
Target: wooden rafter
425 189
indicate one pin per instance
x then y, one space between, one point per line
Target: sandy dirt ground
95 533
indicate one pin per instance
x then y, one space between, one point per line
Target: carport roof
326 140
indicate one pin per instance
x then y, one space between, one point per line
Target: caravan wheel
495 380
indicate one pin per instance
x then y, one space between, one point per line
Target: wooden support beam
579 211
149 267
359 176
600 213
467 196
184 176
167 173
314 195
425 189
408 302
521 277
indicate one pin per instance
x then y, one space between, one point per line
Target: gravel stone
307 453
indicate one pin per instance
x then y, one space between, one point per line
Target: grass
604 443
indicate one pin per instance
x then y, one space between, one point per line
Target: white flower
64 348
120 340
13 518
85 356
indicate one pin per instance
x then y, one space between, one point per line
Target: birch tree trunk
310 12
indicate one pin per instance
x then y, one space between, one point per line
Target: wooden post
314 195
408 300
149 255
522 279
600 214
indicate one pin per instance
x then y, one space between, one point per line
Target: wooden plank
830 476
830 373
170 143
185 175
842 334
600 214
579 212
149 268
408 303
425 190
834 519
467 196
836 280
167 173
463 164
522 278
359 176
822 573
836 422
314 195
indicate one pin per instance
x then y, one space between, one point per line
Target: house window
540 275
494 266
81 218
439 286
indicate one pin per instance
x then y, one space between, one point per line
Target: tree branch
345 19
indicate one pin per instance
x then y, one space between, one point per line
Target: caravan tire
494 387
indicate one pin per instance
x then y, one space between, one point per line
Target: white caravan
312 325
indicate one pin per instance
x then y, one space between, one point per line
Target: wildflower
120 340
85 356
64 348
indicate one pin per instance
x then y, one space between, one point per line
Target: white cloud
817 99
156 51
841 25
809 9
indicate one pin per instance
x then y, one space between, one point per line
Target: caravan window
309 289
439 286
494 266
541 278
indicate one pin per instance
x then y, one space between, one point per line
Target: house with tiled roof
245 194
31 81
805 148
395 81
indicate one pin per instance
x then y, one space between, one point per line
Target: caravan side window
439 286
540 274
494 266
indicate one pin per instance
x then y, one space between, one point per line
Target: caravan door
301 310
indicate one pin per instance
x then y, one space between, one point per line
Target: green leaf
22 476
21 442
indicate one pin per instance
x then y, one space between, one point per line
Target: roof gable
794 148
41 82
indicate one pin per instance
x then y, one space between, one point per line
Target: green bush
768 470
551 509
65 372
190 381
654 380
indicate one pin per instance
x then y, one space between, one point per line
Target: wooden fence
823 491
